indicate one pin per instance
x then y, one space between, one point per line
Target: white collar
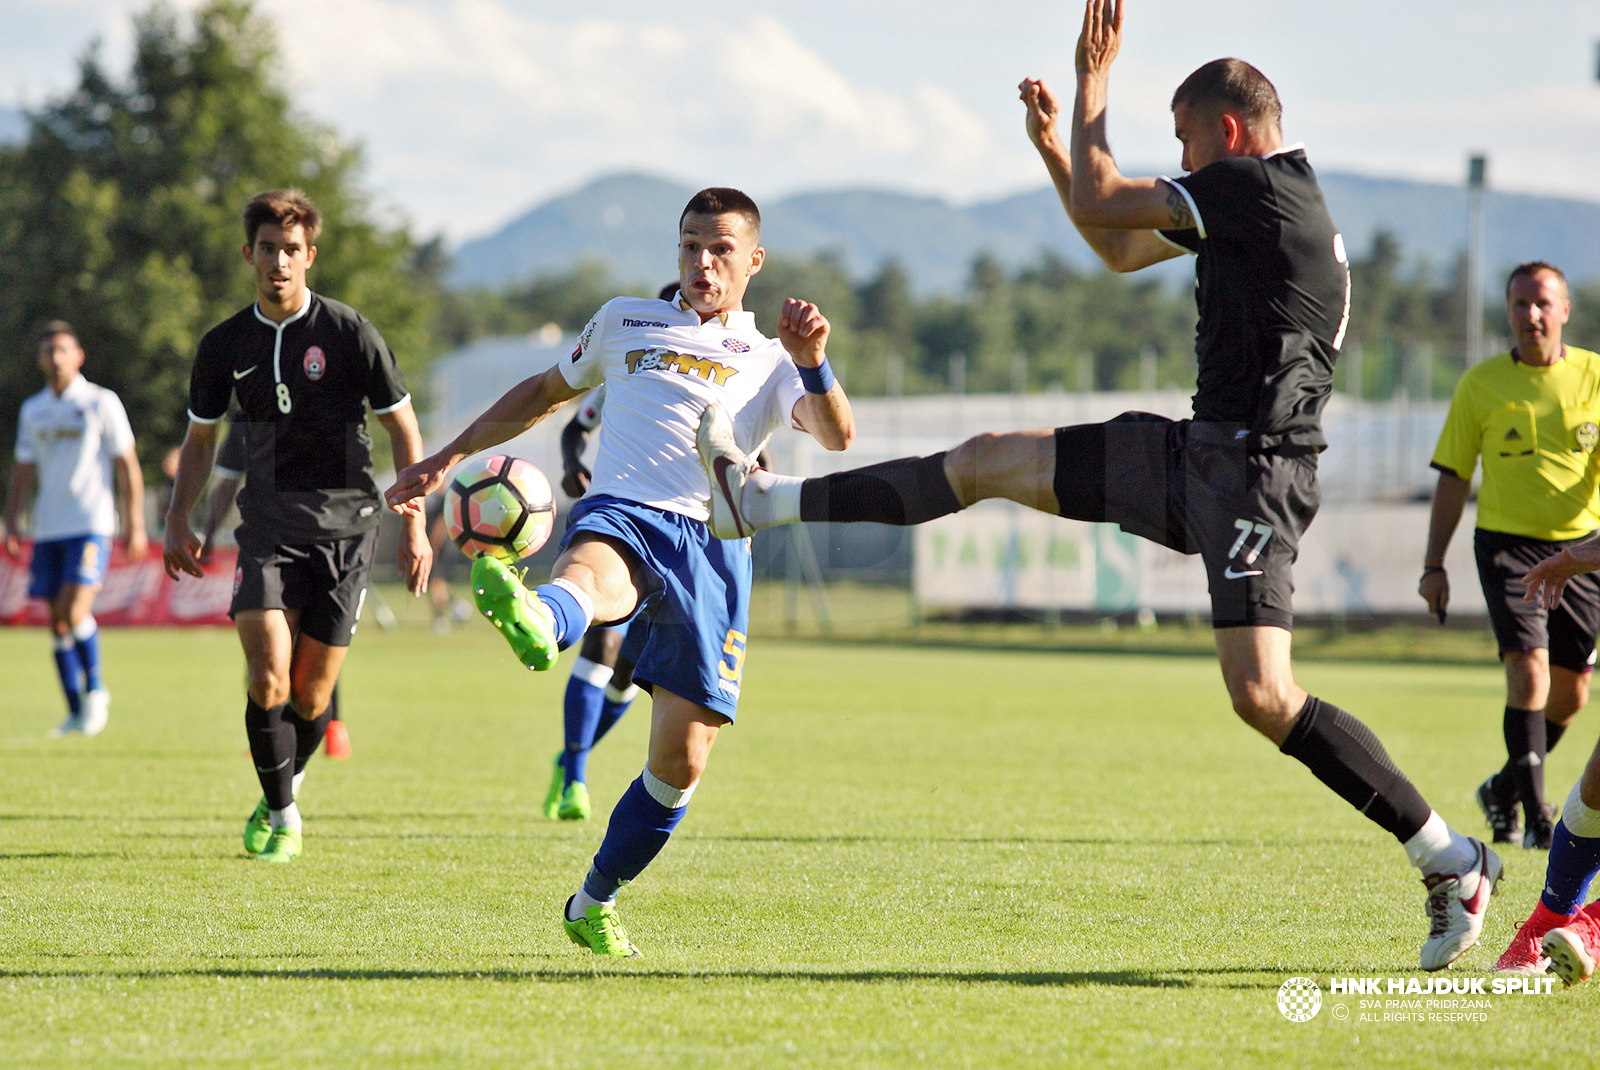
734 321
75 389
274 324
1298 146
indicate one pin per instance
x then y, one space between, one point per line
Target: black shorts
1198 488
325 581
1567 631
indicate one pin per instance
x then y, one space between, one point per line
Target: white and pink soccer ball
500 506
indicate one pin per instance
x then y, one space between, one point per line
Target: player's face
60 357
1205 139
280 257
717 254
1537 306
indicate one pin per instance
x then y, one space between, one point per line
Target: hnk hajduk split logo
1299 999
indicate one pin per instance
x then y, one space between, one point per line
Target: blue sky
473 110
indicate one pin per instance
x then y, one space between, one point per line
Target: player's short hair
55 327
1231 85
283 208
718 200
1531 268
668 292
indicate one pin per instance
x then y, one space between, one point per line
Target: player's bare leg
591 581
682 733
1016 465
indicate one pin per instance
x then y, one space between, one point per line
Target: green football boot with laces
258 829
575 802
600 930
525 622
282 846
558 780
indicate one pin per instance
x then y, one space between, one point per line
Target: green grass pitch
901 856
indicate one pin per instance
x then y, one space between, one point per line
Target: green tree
121 213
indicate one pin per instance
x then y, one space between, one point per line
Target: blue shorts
81 559
694 598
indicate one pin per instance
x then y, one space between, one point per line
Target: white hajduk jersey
661 367
73 439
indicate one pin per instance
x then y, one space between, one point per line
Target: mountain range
628 222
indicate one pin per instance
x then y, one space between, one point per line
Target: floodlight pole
1477 179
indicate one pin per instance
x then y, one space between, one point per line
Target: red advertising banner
138 595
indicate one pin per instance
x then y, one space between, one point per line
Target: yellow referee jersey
1536 429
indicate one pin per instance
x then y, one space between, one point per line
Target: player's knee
268 686
307 703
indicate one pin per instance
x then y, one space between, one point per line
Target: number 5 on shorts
1263 532
734 648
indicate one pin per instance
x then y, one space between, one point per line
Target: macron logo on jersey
626 322
658 358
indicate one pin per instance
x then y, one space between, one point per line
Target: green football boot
558 780
282 846
575 802
258 828
600 930
527 623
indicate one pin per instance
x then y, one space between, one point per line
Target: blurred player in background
637 545
226 474
1563 935
304 370
1237 484
1530 414
74 446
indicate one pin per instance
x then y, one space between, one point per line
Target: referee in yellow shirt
1533 415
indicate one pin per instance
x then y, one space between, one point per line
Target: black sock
1344 754
1552 735
908 491
307 734
333 703
272 744
1525 751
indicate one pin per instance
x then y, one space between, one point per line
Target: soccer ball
500 506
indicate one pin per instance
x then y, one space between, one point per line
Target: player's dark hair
668 291
718 200
1530 268
1231 85
283 208
55 327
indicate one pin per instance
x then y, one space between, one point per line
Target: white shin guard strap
665 794
579 597
85 627
1580 819
591 672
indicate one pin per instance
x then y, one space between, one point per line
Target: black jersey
233 456
303 387
1273 288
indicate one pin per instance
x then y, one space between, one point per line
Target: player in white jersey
637 545
71 437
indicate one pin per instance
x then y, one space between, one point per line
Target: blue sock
69 668
87 634
582 714
639 828
571 619
1572 865
611 711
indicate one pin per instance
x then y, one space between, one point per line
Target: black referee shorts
1197 488
1567 631
325 581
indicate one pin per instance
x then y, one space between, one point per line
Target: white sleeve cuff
1175 245
1194 209
225 473
202 420
402 403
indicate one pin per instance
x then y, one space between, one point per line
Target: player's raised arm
1120 250
824 411
517 410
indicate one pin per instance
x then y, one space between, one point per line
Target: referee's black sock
307 734
907 491
272 747
1525 750
1345 755
1504 783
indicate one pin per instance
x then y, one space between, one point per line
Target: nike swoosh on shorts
1229 573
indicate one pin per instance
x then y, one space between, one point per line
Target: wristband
1430 569
818 380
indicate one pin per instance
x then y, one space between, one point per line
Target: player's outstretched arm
517 410
1120 250
23 476
803 330
130 487
1102 196
415 552
180 553
1549 577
